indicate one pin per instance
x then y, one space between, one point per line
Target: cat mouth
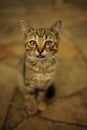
40 56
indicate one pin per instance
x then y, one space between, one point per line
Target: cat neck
40 65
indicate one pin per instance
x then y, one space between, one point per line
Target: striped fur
39 69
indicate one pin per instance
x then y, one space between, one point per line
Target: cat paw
31 109
31 106
42 106
32 112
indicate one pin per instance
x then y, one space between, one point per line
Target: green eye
33 43
48 43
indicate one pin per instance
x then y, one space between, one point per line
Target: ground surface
69 109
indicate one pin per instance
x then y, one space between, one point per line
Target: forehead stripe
40 32
46 36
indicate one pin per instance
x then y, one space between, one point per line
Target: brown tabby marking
38 66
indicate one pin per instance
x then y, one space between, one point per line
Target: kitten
38 67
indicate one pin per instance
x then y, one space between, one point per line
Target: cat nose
40 50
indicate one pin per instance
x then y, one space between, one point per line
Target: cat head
41 43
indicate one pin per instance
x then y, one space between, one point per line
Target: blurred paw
42 106
31 106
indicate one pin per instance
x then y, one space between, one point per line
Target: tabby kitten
38 66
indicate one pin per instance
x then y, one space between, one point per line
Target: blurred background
44 13
72 68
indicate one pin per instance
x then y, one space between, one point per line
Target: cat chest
39 78
42 77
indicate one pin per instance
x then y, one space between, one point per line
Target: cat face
41 43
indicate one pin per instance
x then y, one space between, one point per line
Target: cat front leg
28 95
41 100
30 103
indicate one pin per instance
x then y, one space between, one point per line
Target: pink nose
40 50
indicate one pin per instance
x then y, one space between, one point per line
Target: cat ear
25 27
57 27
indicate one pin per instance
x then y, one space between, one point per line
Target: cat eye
48 43
33 43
